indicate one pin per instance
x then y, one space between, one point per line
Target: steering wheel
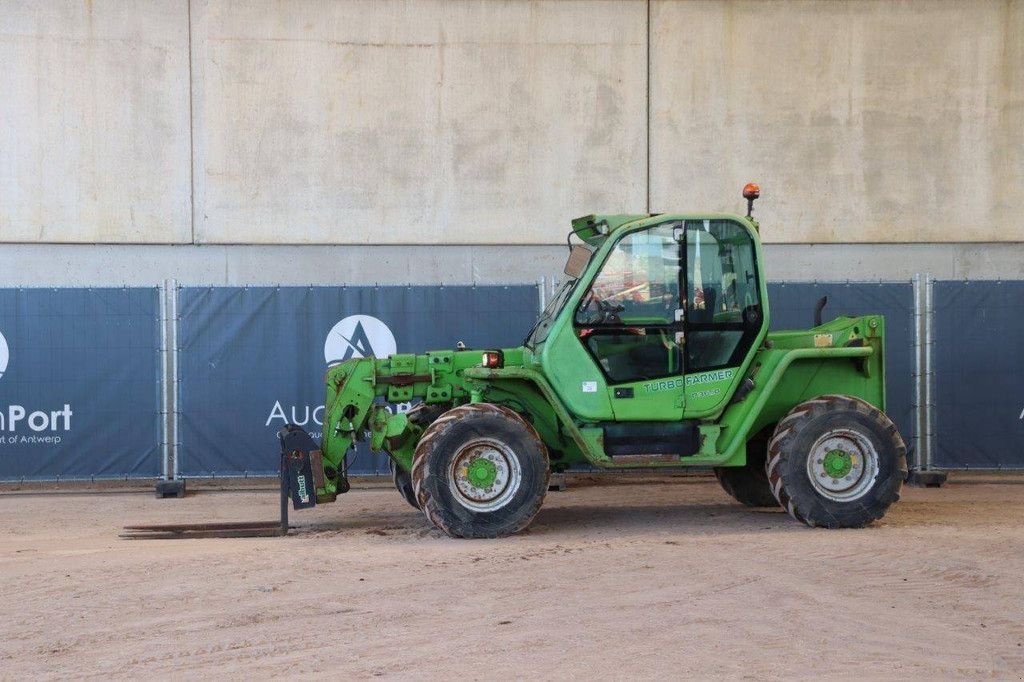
606 313
609 311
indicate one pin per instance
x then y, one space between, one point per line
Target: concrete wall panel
864 121
405 122
94 121
60 265
415 122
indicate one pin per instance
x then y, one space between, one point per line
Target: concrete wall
94 122
415 122
233 129
865 121
55 265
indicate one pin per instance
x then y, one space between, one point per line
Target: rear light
493 359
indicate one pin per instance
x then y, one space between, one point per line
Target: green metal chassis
843 356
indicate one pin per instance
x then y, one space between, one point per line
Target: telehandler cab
655 352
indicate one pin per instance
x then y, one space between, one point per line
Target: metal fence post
176 379
924 307
165 411
170 485
919 412
929 371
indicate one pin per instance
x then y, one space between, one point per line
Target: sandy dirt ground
637 577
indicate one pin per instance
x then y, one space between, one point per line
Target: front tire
422 415
836 462
403 483
480 471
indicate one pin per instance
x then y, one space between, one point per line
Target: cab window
723 296
625 319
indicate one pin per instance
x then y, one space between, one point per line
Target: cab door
725 312
631 322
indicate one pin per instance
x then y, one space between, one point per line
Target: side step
646 459
650 441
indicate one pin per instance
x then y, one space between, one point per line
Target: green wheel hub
843 464
482 473
838 463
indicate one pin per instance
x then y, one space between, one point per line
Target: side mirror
579 257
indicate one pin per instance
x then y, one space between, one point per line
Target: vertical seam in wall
648 122
191 134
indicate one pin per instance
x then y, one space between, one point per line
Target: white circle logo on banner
358 336
5 354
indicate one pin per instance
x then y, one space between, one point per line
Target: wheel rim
484 475
842 465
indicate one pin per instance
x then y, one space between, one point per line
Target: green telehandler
654 353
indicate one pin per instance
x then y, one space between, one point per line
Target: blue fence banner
253 359
80 370
978 360
80 382
792 307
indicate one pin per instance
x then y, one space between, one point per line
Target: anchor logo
5 355
358 336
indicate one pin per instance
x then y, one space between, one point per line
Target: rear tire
480 471
748 484
836 462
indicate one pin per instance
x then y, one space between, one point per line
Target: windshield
638 282
543 326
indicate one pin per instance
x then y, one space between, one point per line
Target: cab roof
593 229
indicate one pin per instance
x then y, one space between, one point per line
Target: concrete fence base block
927 479
175 488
